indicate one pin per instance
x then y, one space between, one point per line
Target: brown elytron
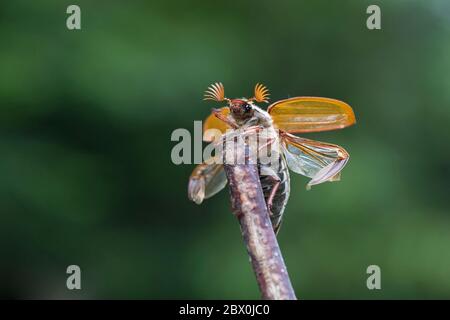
317 160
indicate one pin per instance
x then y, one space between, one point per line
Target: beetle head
241 108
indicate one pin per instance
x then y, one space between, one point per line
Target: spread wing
317 160
206 180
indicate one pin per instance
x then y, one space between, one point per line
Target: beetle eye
247 107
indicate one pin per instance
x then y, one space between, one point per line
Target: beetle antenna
261 93
215 92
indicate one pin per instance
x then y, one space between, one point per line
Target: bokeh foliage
86 118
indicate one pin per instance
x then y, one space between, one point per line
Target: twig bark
250 208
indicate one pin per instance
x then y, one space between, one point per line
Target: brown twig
250 208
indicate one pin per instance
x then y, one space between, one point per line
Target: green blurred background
86 117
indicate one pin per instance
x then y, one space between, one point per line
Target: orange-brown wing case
212 122
311 114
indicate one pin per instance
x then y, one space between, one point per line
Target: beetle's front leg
252 129
242 133
228 120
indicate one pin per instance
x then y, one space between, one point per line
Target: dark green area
85 122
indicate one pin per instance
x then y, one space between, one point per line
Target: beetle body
242 118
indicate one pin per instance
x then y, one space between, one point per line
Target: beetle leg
267 144
272 195
271 174
253 129
225 119
275 219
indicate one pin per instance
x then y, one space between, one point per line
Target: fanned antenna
261 93
215 92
